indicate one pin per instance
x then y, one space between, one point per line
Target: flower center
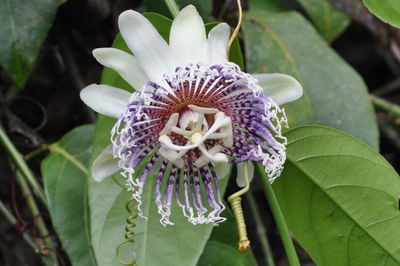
192 126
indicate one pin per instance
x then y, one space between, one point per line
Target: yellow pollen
196 137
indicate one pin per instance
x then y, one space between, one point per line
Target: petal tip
104 165
189 7
189 11
86 92
126 17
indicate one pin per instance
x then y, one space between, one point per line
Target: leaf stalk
278 216
172 7
261 231
22 165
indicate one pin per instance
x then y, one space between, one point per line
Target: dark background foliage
48 105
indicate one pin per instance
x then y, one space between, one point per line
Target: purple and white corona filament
192 113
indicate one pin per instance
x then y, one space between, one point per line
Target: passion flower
193 112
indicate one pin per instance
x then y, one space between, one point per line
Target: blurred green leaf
204 7
386 10
23 28
154 244
335 95
221 248
267 5
330 23
340 198
65 177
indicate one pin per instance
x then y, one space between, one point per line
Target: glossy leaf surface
340 198
386 10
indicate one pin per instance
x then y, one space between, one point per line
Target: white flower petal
280 87
217 44
105 165
222 169
188 36
124 64
240 180
150 49
105 99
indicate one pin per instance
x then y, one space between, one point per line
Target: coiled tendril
129 233
235 201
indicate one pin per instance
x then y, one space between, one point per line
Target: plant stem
48 247
387 88
392 108
261 232
22 165
12 220
172 7
279 218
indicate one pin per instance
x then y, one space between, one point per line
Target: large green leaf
340 198
65 175
23 28
182 243
221 248
335 96
203 6
329 22
386 10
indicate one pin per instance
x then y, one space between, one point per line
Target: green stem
22 165
261 232
12 220
392 108
48 249
173 7
279 218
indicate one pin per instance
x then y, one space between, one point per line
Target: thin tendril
133 214
119 183
235 201
236 31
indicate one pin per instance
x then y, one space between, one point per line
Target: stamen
195 119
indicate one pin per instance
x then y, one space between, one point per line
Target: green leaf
335 95
204 7
65 175
23 28
221 248
267 5
154 244
329 22
340 198
386 10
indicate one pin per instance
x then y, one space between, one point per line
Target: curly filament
129 233
235 201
